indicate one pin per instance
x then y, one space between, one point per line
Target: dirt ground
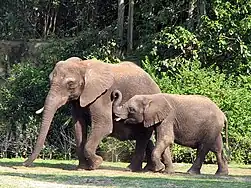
115 175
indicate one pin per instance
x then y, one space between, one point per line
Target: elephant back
132 80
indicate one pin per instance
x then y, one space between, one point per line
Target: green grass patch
61 173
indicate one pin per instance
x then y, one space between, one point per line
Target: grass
61 173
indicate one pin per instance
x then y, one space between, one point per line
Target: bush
225 37
170 49
23 94
87 45
114 150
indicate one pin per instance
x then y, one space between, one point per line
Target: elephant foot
169 170
159 167
96 163
222 172
28 163
81 167
148 167
128 168
134 168
193 171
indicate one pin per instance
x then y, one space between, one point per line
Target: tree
190 18
121 11
201 9
130 26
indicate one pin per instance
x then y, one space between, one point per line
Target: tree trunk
130 26
116 157
201 9
55 21
50 23
190 19
121 11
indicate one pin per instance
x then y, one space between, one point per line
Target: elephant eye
71 85
131 109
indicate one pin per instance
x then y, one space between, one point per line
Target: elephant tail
226 137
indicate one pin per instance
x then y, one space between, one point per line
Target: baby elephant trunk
119 110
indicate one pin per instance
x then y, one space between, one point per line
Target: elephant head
72 79
147 109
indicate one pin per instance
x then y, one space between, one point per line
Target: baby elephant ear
156 110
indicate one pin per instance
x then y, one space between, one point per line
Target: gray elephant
189 120
87 85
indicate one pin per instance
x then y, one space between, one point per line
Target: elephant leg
101 118
167 160
80 134
165 139
201 154
156 156
141 145
149 162
80 137
217 148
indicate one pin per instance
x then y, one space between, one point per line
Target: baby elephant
189 120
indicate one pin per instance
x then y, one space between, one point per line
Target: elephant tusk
118 119
40 110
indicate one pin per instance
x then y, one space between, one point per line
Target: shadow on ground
168 181
40 164
62 166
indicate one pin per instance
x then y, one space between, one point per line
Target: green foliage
19 101
115 150
171 48
23 94
54 18
221 41
225 36
153 16
175 47
87 45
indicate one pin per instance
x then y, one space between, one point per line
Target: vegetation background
187 46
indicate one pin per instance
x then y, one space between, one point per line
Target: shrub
114 150
170 49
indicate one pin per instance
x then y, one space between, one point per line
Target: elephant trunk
119 110
51 105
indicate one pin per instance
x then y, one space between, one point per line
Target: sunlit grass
61 173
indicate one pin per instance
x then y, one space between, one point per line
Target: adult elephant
87 85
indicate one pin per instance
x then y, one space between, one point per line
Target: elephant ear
156 110
98 78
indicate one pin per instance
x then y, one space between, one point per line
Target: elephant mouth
119 117
131 121
127 120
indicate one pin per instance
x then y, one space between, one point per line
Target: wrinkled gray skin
87 85
189 120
